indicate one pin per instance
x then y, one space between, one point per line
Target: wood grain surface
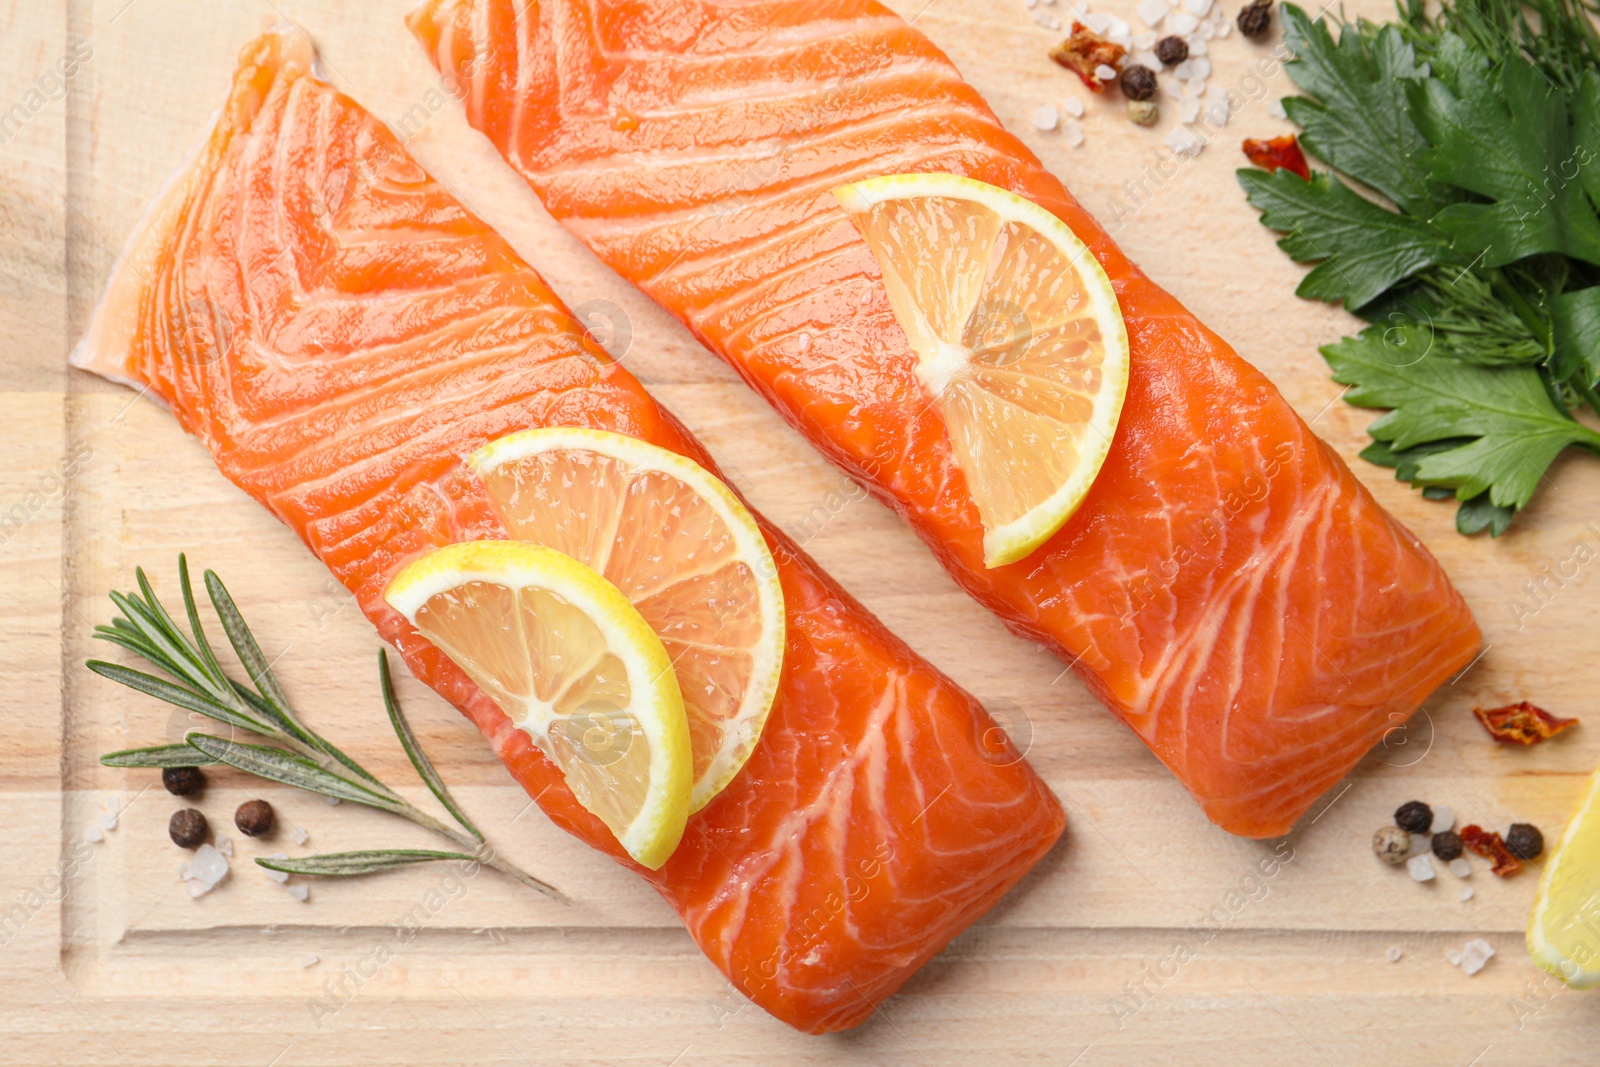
1147 937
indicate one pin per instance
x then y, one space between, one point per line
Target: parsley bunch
1473 249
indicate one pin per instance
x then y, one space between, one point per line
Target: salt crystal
1184 142
208 866
1196 88
332 802
1098 22
1147 39
307 962
1196 43
108 819
1460 867
1202 67
1073 106
1443 818
1115 27
1207 31
199 889
1105 73
94 834
1183 71
1474 954
225 845
1394 953
1073 133
1188 108
1275 109
300 836
299 891
1223 29
1465 894
1045 19
1453 956
1143 59
1421 868
1197 8
1217 111
1046 117
1421 844
1182 23
1123 39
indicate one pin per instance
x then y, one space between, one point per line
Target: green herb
1461 217
299 757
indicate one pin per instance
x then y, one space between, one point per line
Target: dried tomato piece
1086 52
1521 724
1491 846
1279 153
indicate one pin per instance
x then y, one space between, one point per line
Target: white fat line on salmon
1142 589
1541 592
1154 178
1254 887
341 989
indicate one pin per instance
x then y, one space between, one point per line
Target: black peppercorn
1172 50
182 781
1138 82
1447 845
1524 841
188 828
253 818
1255 19
1414 817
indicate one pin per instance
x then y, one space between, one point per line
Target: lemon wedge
681 546
1564 930
569 660
1019 341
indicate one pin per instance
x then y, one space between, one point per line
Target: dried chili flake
1085 53
1279 153
1492 847
1521 724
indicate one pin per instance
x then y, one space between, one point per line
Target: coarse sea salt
1421 844
1188 108
1394 953
1202 67
1072 132
108 819
1106 73
1183 142
1198 8
1045 19
1146 39
1098 21
1421 868
299 891
225 845
1465 894
1443 818
1182 23
1453 956
307 962
1217 107
1073 106
94 835
1045 117
208 865
1196 43
1460 867
300 836
1183 71
1152 12
1143 59
1275 109
1474 954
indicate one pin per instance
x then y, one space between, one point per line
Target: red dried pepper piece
1521 724
1279 153
1491 846
1086 52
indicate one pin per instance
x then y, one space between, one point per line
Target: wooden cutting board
1147 937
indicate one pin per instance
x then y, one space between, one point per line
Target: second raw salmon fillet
1228 588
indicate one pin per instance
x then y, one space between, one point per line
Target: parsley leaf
1575 323
1509 429
1356 116
1364 249
1499 133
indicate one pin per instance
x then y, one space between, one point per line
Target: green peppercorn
1138 82
182 781
1172 50
1447 845
1414 816
1524 841
254 818
1143 112
1256 19
188 828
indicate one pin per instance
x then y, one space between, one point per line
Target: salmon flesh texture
342 333
1228 588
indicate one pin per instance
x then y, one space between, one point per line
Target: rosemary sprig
299 756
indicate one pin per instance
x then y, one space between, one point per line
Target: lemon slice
1019 341
565 655
679 545
1564 931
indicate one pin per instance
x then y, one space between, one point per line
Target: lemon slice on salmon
1019 341
564 654
681 546
1564 931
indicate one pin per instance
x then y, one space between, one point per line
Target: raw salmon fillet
1228 588
341 333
